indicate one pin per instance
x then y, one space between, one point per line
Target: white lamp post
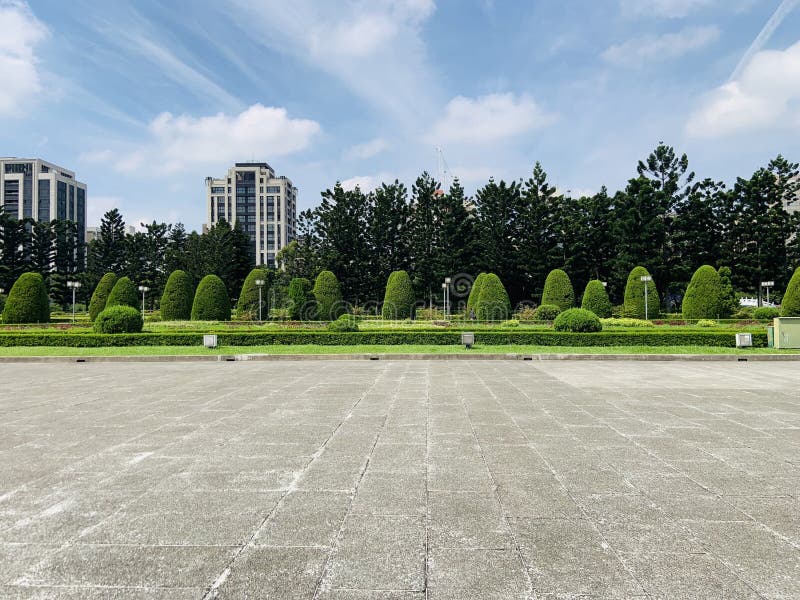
260 284
645 278
446 288
144 289
74 285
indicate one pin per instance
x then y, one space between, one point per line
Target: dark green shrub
27 301
345 323
328 295
729 304
398 301
634 296
118 319
493 302
100 295
247 306
558 290
547 312
596 299
124 294
790 306
176 301
578 320
703 297
302 306
211 302
766 313
474 294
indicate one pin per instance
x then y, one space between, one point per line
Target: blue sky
143 99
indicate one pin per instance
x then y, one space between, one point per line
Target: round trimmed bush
474 293
27 301
124 294
558 290
328 295
547 312
493 302
578 320
176 301
595 299
703 298
345 323
211 302
302 306
398 301
633 306
100 295
247 306
766 313
790 305
119 319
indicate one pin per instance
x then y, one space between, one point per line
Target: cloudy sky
143 99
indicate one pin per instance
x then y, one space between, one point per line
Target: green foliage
398 301
558 290
27 301
634 296
766 313
703 298
247 306
790 306
328 295
578 320
302 306
100 295
706 323
474 293
176 302
345 323
124 294
118 319
429 314
547 312
211 302
510 323
493 302
623 322
729 304
596 299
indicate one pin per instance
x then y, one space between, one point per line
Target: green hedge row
327 338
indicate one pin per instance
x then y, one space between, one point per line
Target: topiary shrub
766 313
302 306
790 305
706 323
124 294
493 302
328 296
547 312
211 302
703 298
558 290
247 306
344 323
511 323
596 299
729 304
398 301
176 301
119 319
633 306
578 320
27 301
623 322
100 295
474 294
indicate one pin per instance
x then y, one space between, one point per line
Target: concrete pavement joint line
427 481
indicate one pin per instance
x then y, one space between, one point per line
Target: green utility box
770 336
787 332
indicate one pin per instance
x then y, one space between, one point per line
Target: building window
218 189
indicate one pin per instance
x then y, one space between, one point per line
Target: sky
144 99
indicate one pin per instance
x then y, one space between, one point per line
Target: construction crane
442 172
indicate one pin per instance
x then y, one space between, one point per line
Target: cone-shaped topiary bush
328 295
398 301
703 297
596 299
493 303
247 306
100 295
176 301
27 301
558 290
729 304
119 319
578 320
790 305
124 294
633 305
302 306
211 302
474 293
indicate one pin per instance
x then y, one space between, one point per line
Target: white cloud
368 149
21 33
488 119
650 48
671 9
766 96
367 183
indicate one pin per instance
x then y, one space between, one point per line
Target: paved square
400 480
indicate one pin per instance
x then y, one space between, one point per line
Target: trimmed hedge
100 295
211 302
790 305
176 301
119 319
398 301
302 306
124 294
578 320
474 293
703 298
247 305
558 290
547 312
328 295
27 301
493 302
595 299
344 323
634 296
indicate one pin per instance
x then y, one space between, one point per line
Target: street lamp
767 285
144 289
758 253
260 284
74 285
446 288
646 279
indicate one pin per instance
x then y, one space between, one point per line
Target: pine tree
107 252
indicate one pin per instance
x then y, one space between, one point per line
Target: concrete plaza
400 480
